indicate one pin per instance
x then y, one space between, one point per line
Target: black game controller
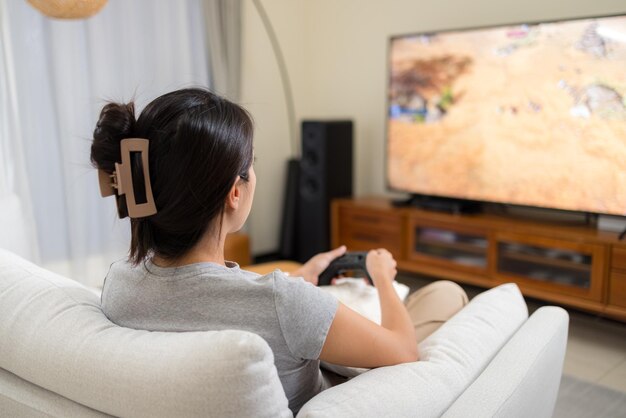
351 261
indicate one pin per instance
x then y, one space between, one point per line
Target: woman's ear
232 200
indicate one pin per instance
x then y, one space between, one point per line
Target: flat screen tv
530 114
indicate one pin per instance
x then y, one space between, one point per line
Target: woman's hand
381 266
317 264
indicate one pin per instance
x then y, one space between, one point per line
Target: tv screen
532 115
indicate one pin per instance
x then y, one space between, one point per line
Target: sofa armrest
451 359
523 379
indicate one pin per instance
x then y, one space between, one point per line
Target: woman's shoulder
203 274
119 269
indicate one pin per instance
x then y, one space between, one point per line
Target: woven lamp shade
68 9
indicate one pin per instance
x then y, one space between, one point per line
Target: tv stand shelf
571 265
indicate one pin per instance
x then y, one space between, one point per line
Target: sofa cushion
450 360
54 335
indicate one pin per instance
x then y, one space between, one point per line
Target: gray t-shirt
293 316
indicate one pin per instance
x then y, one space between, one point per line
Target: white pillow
450 360
361 297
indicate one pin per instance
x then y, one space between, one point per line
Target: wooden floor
596 347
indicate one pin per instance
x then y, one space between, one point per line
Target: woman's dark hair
199 144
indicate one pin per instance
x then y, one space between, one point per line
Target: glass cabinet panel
559 266
456 247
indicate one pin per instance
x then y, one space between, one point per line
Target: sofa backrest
54 335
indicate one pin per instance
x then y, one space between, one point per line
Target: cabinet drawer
365 239
617 290
370 220
618 258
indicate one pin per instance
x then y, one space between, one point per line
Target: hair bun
116 122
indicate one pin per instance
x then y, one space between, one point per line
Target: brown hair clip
120 182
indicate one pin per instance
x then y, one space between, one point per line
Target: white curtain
17 226
64 73
223 35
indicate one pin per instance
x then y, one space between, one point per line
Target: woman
186 183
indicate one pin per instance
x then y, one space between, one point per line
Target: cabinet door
552 265
617 282
450 246
618 259
617 290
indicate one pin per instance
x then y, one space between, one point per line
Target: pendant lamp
68 9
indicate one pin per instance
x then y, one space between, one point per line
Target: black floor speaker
325 174
288 234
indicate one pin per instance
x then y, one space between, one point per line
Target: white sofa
60 356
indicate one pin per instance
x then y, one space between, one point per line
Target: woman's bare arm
354 340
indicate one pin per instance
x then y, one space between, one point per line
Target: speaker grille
325 174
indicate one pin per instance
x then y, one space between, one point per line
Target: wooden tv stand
575 266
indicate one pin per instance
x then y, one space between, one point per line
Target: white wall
262 94
336 56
